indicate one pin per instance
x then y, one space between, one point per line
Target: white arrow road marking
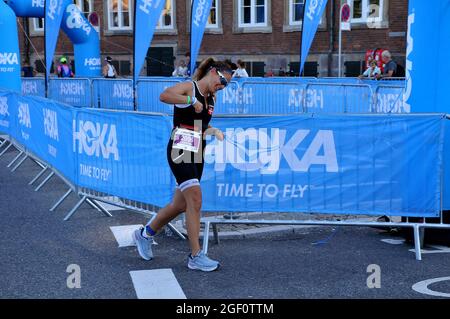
156 284
422 287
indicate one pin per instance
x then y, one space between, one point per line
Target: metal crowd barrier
389 98
33 86
116 94
148 91
73 91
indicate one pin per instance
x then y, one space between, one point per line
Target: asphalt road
37 246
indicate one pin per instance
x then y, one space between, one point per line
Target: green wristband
188 100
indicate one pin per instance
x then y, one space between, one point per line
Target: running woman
194 106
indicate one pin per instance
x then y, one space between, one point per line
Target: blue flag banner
54 10
199 18
312 15
147 13
9 50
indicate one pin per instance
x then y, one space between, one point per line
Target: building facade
265 34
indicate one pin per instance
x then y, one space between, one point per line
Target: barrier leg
20 163
176 231
206 237
216 233
75 208
15 159
61 200
417 242
99 207
6 149
38 175
38 163
44 181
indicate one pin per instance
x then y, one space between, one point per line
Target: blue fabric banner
312 15
54 10
147 13
199 18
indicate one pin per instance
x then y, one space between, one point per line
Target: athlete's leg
193 197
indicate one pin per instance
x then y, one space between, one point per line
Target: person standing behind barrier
372 71
390 67
63 70
240 71
180 70
109 71
194 106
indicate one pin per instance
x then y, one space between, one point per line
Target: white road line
123 234
156 284
393 241
422 287
438 250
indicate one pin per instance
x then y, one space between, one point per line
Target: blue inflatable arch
84 37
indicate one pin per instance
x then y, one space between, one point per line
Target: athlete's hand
198 107
218 134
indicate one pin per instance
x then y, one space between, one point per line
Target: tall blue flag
54 10
199 17
147 14
313 11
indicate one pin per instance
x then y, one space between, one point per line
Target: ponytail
206 65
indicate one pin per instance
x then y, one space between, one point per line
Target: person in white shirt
181 70
109 71
372 71
240 71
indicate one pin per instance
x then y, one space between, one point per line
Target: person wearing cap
109 71
63 70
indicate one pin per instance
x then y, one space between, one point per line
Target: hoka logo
312 8
92 62
9 58
76 19
4 106
51 124
146 4
200 12
122 91
52 9
71 88
95 139
253 149
37 3
24 115
409 64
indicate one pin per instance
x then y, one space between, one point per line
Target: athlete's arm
181 95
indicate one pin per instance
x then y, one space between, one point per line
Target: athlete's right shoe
202 262
144 245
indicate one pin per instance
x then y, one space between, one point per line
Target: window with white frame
119 15
366 10
86 6
296 8
252 13
213 19
37 24
166 18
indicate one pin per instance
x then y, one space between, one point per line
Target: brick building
264 33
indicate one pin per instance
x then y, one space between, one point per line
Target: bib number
186 140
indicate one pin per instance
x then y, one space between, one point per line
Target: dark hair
108 59
209 63
241 63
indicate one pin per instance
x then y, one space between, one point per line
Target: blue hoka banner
54 10
347 164
312 15
6 103
147 13
199 18
9 50
123 154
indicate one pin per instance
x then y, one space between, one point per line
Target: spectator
372 71
390 67
27 70
63 70
240 71
281 72
187 55
181 69
109 71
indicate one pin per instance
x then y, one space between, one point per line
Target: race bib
186 140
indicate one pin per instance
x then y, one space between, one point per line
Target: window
166 18
37 24
213 16
252 13
369 11
119 15
86 6
296 11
